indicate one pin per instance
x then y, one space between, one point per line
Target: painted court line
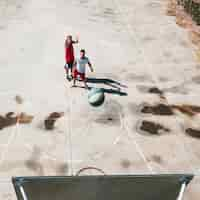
69 132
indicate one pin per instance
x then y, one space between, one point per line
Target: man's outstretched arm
76 41
90 66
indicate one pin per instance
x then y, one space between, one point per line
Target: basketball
96 96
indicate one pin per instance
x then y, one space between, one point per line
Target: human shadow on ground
105 90
106 81
116 86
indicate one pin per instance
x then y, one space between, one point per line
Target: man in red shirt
69 55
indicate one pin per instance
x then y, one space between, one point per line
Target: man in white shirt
80 67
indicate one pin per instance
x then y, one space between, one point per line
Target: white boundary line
138 148
69 131
133 35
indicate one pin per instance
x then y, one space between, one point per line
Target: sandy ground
129 42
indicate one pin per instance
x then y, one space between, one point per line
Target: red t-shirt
69 53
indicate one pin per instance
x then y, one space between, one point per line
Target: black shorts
69 65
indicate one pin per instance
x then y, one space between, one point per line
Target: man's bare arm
75 41
90 66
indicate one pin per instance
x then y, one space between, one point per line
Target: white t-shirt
81 64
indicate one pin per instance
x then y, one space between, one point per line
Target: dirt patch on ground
151 90
34 166
181 89
155 90
157 159
125 163
19 99
189 110
49 122
163 79
7 120
24 118
196 79
62 169
11 119
165 109
193 132
152 128
108 119
33 163
159 109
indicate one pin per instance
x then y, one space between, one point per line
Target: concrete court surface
131 42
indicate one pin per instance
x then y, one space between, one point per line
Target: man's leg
84 80
67 71
74 82
71 68
85 83
74 77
